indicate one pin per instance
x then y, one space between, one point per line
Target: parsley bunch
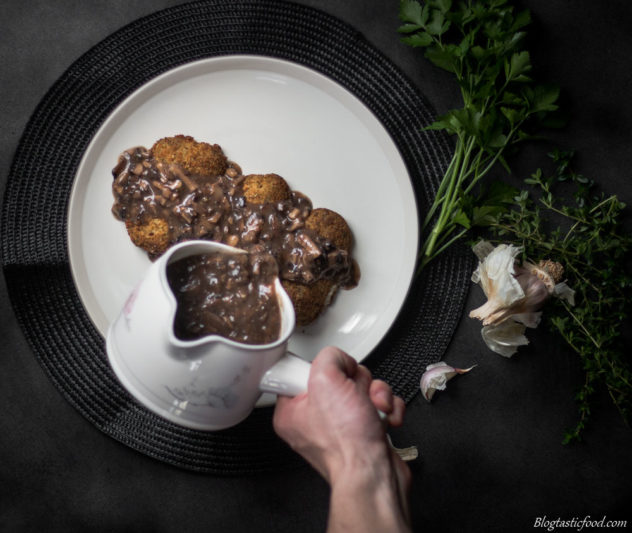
481 43
586 235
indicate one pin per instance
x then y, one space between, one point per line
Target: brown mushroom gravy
214 208
232 295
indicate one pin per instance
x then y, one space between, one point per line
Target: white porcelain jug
208 383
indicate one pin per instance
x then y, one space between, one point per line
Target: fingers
383 398
334 358
396 418
363 378
335 363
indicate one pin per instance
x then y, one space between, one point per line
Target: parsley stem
450 200
451 189
439 195
445 246
489 162
447 183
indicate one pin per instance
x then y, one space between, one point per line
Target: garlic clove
436 376
537 289
505 338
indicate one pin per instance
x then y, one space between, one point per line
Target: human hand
337 418
335 426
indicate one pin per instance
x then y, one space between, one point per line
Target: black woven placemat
34 214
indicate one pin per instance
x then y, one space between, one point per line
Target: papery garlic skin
495 274
482 249
505 338
514 290
531 320
409 453
437 376
564 292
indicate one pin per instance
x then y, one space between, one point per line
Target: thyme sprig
583 230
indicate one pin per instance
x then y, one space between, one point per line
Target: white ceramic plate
268 115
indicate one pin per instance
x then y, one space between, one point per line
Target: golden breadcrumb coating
264 188
331 226
152 236
309 300
194 157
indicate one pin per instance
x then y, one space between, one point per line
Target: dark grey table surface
491 453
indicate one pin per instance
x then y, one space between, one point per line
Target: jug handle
288 377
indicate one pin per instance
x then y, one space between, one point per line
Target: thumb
285 413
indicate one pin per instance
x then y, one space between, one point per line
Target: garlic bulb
515 294
436 376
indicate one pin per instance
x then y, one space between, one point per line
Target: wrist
367 465
365 496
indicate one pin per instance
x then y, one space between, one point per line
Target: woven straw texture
34 214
